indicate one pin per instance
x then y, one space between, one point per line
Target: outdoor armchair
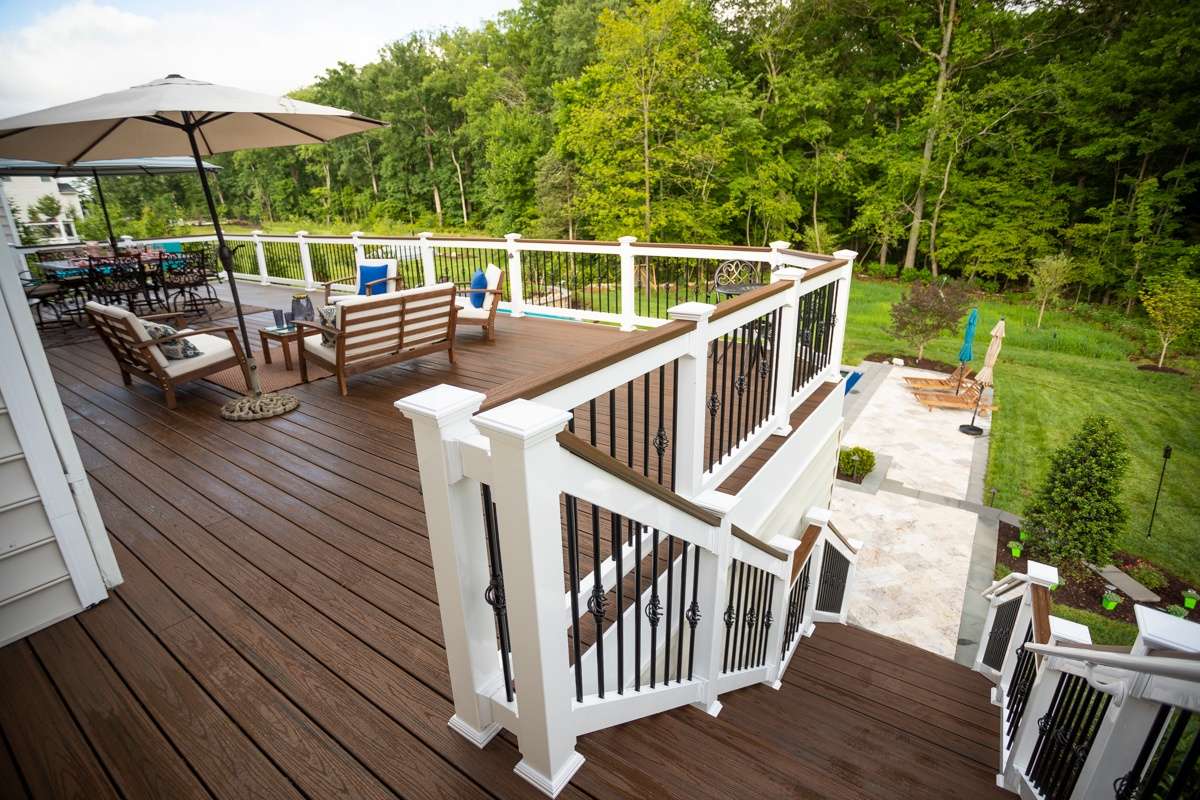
484 316
370 276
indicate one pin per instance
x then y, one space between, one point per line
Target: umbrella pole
256 405
973 429
112 239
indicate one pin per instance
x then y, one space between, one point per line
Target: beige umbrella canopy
173 117
993 353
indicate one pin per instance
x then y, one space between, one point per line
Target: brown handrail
757 544
532 386
807 542
727 307
843 539
828 266
601 460
731 248
1041 614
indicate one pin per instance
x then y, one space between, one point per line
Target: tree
45 209
928 309
1173 304
1075 516
1051 274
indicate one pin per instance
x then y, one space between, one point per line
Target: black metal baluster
573 565
1166 753
674 416
654 607
669 617
595 603
721 449
616 546
1045 724
1055 731
592 420
682 610
728 617
612 422
637 607
658 434
629 422
693 612
738 616
738 389
713 404
751 617
494 594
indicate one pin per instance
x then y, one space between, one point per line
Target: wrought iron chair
731 274
118 281
185 279
43 295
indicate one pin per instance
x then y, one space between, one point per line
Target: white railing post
260 256
628 283
428 266
453 509
525 456
305 261
839 322
778 611
692 412
359 254
775 258
516 281
785 371
714 573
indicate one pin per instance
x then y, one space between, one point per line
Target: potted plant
1190 597
1014 547
1178 611
1023 535
1110 600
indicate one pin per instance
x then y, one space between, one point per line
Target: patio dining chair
186 281
371 276
734 273
124 280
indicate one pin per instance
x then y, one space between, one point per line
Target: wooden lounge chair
371 276
965 399
485 317
960 375
374 331
138 354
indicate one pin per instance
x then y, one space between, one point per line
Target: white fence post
778 611
839 322
774 257
305 261
453 508
785 372
628 283
516 281
260 256
524 455
713 572
359 255
692 411
427 260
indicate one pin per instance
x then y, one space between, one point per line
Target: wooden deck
277 634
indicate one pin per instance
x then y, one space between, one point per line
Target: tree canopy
958 136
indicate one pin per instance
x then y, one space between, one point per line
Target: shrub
1075 516
1173 305
1147 575
926 310
1178 611
856 463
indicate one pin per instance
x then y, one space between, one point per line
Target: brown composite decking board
277 634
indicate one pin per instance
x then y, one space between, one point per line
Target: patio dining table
735 289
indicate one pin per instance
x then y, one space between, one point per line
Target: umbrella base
970 430
259 406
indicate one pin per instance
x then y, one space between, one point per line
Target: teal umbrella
964 352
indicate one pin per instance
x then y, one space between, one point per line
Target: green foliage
1076 515
926 310
1147 575
1173 304
1001 571
45 209
1104 630
1177 611
856 462
1051 274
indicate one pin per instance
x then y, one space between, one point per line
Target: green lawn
1046 381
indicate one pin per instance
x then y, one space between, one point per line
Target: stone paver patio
912 572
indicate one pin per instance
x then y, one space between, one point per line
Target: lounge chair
374 331
961 374
138 354
965 399
484 316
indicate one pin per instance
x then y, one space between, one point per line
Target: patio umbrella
985 375
94 169
965 353
173 117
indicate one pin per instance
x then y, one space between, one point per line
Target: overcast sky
53 53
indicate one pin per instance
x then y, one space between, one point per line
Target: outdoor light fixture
1161 475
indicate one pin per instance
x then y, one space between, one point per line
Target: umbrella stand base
260 406
970 430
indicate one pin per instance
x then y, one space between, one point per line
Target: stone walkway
929 540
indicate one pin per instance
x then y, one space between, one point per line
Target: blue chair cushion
171 247
478 281
374 272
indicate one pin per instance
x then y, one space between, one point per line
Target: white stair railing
1100 723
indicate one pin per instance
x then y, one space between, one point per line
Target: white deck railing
666 601
1080 721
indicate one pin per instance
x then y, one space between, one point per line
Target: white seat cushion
312 344
468 311
212 349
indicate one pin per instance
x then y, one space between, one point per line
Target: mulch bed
1085 590
1157 368
911 361
850 478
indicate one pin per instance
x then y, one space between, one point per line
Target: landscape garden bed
931 364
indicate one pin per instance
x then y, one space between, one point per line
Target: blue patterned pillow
174 350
